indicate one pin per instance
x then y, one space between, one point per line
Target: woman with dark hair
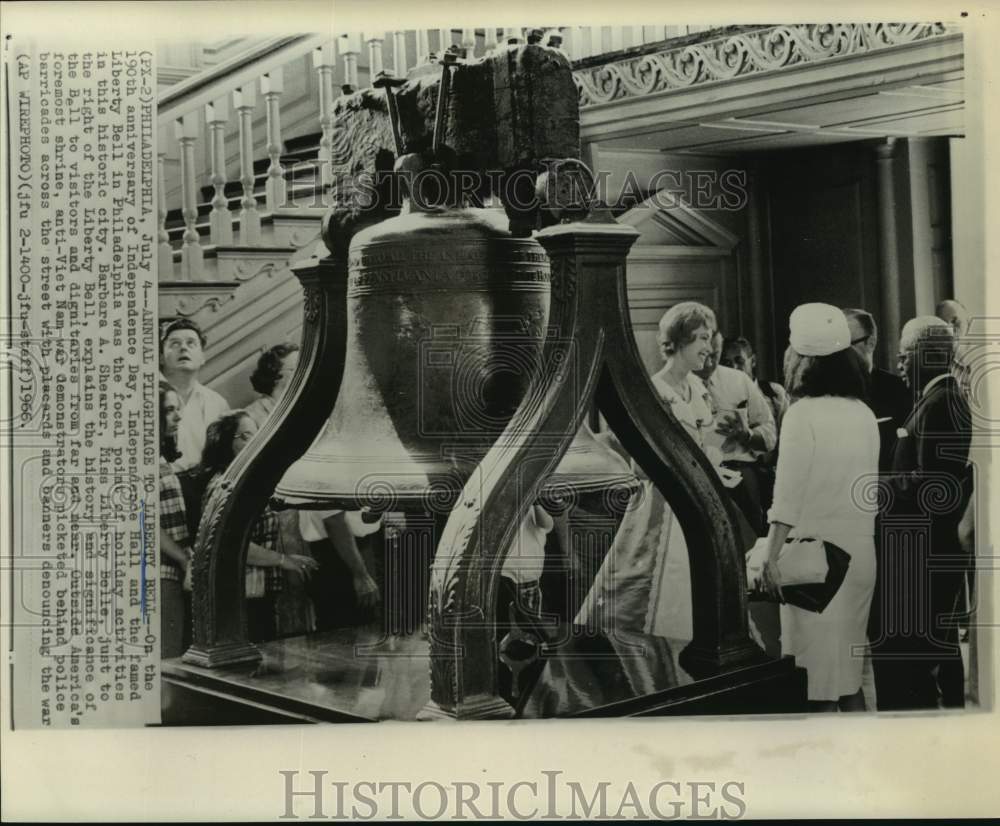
842 373
828 448
270 378
225 439
342 574
295 611
175 544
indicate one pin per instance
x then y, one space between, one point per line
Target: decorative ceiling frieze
745 53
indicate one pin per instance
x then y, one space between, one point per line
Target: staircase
251 300
301 160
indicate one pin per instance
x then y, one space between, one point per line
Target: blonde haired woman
644 583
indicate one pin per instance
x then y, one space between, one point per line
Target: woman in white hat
827 461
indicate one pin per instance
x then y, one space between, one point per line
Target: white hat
818 330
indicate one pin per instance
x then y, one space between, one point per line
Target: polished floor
348 675
358 674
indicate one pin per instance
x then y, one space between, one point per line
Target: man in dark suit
888 396
954 313
915 653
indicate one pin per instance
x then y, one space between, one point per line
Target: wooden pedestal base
356 675
481 707
222 655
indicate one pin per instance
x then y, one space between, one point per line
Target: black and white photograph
541 378
789 258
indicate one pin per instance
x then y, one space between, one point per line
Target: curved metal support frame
484 522
220 628
594 352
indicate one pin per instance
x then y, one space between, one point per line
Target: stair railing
202 115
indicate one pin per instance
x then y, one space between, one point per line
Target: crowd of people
874 462
305 569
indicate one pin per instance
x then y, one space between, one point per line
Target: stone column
919 156
760 289
888 235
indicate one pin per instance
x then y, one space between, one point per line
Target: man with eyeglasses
888 396
915 652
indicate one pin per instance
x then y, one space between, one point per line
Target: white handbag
800 562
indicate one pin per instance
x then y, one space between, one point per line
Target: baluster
350 48
192 259
512 36
220 219
444 41
616 38
165 253
243 102
636 35
374 57
568 41
596 40
276 192
490 38
399 66
324 62
423 47
469 42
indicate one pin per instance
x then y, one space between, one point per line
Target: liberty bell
448 312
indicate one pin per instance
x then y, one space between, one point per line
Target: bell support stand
484 523
589 310
219 609
591 355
